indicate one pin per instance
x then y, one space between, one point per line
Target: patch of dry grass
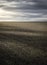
21 49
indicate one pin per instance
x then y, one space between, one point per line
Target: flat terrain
23 43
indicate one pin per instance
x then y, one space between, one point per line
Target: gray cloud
27 9
41 3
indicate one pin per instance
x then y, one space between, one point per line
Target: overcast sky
23 10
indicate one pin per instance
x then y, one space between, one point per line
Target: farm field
23 43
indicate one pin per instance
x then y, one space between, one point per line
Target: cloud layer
23 10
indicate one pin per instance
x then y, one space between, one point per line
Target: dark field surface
17 49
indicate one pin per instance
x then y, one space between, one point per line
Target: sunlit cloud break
23 10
